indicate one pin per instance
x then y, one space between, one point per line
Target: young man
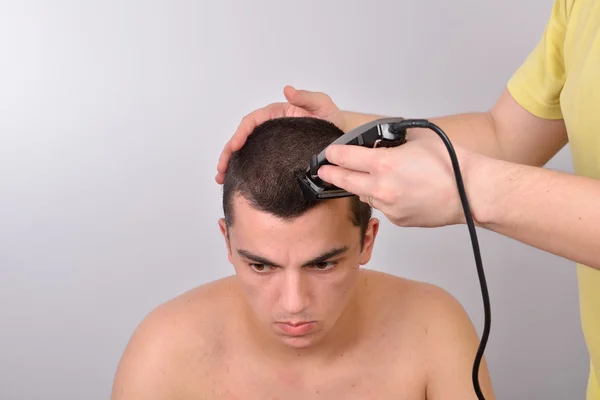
300 319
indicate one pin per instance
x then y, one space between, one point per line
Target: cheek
336 288
246 280
257 289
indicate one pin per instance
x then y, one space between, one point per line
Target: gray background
112 117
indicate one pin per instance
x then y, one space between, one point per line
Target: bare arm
553 211
452 343
507 132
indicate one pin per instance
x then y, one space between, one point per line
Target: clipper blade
314 191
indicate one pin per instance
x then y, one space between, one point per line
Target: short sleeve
538 82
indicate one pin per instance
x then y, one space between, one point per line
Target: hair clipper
384 132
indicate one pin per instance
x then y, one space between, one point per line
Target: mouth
296 328
298 323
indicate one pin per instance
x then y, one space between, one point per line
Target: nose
295 295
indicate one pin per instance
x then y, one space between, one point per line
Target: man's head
297 260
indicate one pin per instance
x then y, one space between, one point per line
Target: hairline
238 193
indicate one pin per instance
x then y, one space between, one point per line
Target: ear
223 228
369 241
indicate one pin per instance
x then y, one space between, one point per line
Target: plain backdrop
112 118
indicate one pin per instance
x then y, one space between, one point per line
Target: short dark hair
264 170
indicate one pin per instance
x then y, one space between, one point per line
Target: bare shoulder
180 332
423 303
444 331
431 312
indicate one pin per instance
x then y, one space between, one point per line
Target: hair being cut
264 170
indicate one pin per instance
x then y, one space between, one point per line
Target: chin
298 343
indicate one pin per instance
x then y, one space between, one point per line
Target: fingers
355 158
358 183
224 157
306 99
244 129
247 125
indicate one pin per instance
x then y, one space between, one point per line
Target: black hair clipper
384 132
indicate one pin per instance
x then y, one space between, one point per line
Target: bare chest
353 379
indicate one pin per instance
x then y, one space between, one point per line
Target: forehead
328 221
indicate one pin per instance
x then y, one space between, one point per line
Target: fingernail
320 172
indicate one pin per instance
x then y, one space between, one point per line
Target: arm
553 211
507 132
452 343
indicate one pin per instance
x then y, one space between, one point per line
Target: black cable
423 123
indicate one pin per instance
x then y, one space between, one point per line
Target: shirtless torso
416 343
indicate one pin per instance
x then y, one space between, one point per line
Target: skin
375 336
501 153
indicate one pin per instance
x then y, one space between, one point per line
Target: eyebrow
319 259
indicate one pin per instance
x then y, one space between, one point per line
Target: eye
260 268
324 266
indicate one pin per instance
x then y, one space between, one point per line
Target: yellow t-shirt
561 79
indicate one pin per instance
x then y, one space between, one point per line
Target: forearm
553 211
469 131
472 131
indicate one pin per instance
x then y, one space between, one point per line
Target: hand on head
300 103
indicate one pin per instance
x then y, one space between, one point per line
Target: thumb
306 99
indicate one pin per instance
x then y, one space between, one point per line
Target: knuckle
246 119
341 157
384 194
382 164
325 96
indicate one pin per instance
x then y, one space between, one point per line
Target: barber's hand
300 103
412 184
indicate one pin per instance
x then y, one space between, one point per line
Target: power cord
423 123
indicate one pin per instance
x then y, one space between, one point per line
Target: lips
295 323
296 328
